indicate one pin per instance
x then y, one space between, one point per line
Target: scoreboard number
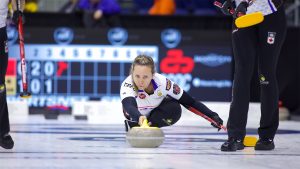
35 68
49 68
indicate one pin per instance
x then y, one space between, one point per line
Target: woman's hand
241 9
227 7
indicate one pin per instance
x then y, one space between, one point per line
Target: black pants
263 41
4 121
166 114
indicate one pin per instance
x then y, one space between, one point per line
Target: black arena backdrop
65 64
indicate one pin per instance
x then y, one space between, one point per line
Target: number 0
35 86
49 68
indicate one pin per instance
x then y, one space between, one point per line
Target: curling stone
145 136
250 141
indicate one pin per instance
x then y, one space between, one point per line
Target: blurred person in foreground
263 41
6 140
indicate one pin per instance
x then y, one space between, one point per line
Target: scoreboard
60 74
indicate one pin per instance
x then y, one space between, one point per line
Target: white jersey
145 102
3 12
265 6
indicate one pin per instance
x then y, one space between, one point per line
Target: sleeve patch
168 84
176 89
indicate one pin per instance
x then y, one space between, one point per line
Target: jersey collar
155 86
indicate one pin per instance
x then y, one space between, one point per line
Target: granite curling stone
145 136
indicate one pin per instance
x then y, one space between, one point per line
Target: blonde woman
146 94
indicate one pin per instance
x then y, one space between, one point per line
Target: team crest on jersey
159 93
176 89
271 38
168 84
142 96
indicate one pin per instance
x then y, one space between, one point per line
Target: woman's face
142 76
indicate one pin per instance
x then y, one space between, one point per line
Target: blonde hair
143 60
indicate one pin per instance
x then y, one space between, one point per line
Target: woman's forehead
142 67
142 72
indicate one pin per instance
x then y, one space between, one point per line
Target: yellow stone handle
145 123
